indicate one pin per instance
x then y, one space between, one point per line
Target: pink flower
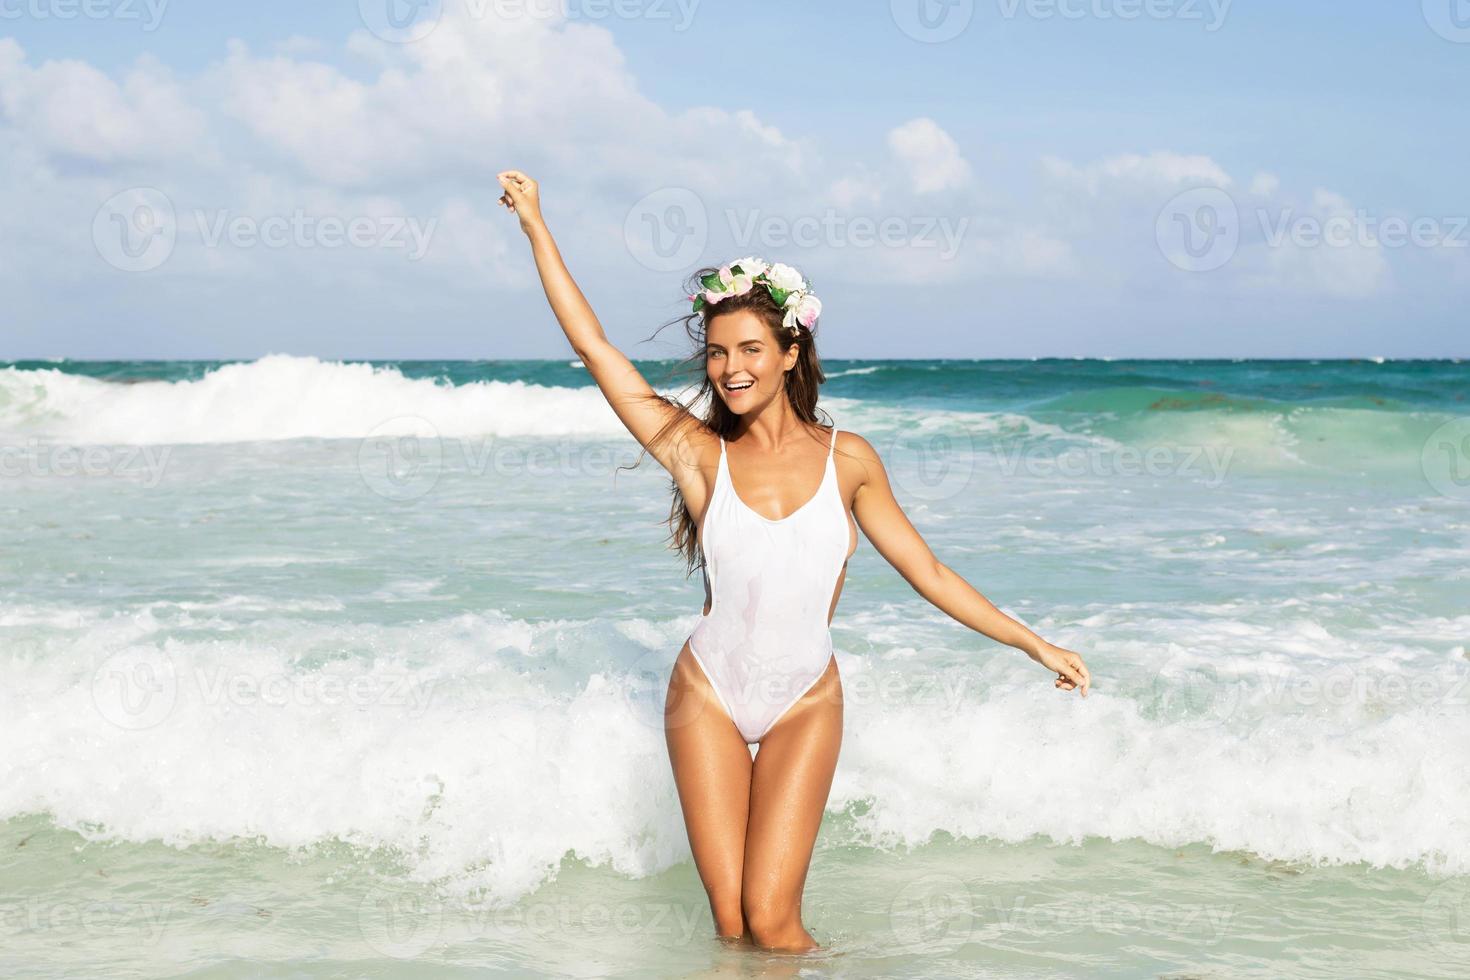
808 309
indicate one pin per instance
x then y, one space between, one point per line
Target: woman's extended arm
631 396
886 525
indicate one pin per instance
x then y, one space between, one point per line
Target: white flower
785 278
751 266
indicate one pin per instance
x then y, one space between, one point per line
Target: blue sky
1059 141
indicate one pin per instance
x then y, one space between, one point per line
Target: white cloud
72 109
419 130
930 155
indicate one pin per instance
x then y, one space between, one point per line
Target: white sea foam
285 397
443 746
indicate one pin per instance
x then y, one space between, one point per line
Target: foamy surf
290 690
444 749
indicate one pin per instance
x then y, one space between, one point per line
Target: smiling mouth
738 388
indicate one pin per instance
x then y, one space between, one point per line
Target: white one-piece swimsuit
765 641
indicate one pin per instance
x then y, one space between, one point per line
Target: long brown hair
801 391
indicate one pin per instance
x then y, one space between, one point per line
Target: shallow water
323 669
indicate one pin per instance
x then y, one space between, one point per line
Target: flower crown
787 287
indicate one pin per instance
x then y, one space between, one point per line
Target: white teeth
739 387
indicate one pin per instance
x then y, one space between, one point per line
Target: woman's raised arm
631 396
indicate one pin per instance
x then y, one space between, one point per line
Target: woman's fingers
1083 677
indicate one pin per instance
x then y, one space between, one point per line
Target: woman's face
743 361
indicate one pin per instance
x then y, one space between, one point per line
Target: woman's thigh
712 769
790 781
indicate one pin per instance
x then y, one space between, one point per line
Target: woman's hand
1071 671
523 197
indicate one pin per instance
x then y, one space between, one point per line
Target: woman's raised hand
523 197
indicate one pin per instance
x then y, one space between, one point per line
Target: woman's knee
770 920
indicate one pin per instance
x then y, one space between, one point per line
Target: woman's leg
790 781
712 769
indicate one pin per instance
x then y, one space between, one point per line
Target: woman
759 667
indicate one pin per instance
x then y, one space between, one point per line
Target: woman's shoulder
849 440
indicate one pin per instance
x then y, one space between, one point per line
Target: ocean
318 668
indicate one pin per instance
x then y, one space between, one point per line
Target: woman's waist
769 625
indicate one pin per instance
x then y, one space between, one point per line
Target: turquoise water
317 668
